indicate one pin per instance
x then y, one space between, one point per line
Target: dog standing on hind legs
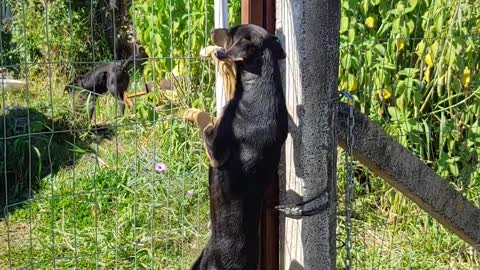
244 146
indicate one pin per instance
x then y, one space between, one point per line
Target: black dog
111 77
244 147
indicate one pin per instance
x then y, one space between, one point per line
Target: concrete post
309 31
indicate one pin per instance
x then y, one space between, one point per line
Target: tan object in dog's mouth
226 67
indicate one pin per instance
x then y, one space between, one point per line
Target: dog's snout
221 54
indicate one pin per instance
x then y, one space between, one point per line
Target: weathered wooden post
262 13
309 31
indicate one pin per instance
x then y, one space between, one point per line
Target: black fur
112 78
246 145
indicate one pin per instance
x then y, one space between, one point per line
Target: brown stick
137 94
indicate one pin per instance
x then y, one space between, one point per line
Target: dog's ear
68 87
276 48
73 77
238 42
221 37
74 80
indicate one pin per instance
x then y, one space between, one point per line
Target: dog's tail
127 62
133 58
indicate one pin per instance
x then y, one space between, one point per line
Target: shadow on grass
33 146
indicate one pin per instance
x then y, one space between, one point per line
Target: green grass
98 201
391 232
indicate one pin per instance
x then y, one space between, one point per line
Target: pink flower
160 167
190 193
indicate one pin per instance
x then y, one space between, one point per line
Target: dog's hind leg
121 102
92 102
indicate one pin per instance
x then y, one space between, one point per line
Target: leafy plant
58 32
175 31
412 67
410 64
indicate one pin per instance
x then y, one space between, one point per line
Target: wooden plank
245 10
269 18
262 13
270 217
269 228
408 174
252 12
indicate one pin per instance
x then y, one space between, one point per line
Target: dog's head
246 41
73 82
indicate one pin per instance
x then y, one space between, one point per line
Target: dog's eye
247 38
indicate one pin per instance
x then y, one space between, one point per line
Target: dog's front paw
191 114
201 118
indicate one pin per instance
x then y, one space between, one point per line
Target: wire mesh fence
131 192
412 67
116 191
